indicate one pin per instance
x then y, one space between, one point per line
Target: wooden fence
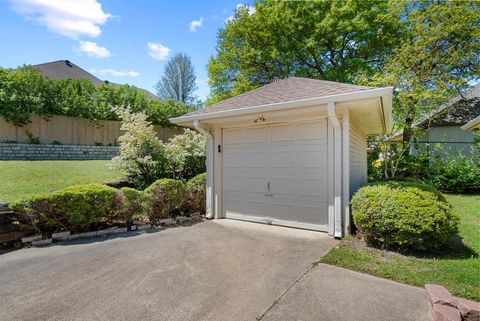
71 130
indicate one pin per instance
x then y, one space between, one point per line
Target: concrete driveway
216 270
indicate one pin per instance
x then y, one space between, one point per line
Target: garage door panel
240 207
311 159
282 159
312 187
233 183
310 214
286 186
292 159
232 160
232 136
313 131
282 133
256 159
255 184
285 211
255 135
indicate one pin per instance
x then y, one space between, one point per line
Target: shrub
165 196
133 205
403 215
186 154
142 154
458 174
74 208
196 193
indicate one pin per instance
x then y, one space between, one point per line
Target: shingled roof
280 91
65 69
458 111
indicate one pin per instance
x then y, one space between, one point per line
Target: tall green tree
178 80
24 92
438 56
334 40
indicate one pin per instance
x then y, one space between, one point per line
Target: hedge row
82 207
25 92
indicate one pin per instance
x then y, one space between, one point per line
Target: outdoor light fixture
260 119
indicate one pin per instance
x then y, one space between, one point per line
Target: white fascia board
371 93
472 125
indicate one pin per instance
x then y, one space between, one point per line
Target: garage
290 153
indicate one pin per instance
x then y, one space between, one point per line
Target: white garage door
277 174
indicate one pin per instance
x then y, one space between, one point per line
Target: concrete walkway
330 293
217 270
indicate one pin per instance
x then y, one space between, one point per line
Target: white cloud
241 6
115 73
195 24
158 51
94 50
72 18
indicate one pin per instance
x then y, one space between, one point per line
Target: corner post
346 171
210 210
337 148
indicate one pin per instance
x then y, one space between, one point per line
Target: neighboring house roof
65 69
456 112
280 91
472 125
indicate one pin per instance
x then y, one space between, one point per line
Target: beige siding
70 130
358 157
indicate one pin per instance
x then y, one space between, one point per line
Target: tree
332 40
25 92
142 154
186 154
438 56
178 81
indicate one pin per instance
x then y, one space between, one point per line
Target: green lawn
19 179
457 268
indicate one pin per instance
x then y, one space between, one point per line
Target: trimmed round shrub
404 215
196 194
75 208
165 196
133 205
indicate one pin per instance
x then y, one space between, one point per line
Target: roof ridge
247 92
50 62
328 81
273 83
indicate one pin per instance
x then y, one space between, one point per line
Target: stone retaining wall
55 152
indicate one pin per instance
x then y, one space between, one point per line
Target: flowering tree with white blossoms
142 153
186 154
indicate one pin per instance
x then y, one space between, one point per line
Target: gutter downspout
210 150
337 147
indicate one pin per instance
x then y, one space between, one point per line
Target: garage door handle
269 195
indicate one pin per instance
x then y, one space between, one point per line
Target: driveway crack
275 302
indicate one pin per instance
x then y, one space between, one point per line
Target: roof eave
385 93
474 124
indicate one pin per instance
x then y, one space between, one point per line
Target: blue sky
124 41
